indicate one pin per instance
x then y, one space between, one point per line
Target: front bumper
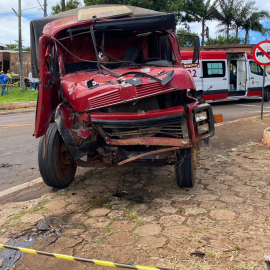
152 128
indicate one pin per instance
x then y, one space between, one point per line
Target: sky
31 10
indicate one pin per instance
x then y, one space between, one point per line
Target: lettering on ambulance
192 69
196 73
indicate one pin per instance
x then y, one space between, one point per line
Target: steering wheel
151 59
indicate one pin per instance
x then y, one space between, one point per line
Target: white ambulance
223 74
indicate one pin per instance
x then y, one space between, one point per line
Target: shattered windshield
113 49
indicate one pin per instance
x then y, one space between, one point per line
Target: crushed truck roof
139 19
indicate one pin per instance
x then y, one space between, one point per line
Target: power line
13 12
41 5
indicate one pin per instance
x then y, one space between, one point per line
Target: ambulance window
213 69
255 68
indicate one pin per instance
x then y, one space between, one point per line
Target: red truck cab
113 91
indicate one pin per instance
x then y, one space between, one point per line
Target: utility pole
63 5
22 83
45 8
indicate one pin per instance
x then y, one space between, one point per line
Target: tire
267 94
185 167
56 166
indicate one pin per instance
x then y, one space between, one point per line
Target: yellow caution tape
72 258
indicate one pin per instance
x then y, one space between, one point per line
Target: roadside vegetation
17 95
232 16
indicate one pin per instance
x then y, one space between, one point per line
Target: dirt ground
138 214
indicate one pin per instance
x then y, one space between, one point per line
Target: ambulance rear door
215 78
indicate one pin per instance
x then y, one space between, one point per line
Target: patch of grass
237 248
214 254
64 191
181 209
14 220
228 154
265 119
115 218
133 215
108 230
40 206
86 176
245 266
101 240
107 205
121 182
107 195
205 267
17 95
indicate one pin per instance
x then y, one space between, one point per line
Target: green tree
227 10
254 23
186 40
158 5
241 15
200 11
27 48
219 40
12 47
70 4
15 46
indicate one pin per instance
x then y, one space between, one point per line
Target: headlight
203 128
200 116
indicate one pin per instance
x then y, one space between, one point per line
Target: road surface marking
20 187
246 105
17 125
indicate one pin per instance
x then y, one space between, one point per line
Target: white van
222 74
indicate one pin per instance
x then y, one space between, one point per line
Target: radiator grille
151 88
105 100
169 127
140 91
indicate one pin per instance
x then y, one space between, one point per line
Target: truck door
48 92
215 79
255 81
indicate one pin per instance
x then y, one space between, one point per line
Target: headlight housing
200 116
203 128
204 121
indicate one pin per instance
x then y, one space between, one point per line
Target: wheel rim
267 94
65 158
64 165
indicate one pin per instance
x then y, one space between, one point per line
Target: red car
113 92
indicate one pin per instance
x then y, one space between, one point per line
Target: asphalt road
235 108
18 147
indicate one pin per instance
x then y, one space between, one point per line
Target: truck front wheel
56 166
185 167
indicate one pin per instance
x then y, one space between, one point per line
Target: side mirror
196 52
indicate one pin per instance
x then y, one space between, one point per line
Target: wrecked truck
113 92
